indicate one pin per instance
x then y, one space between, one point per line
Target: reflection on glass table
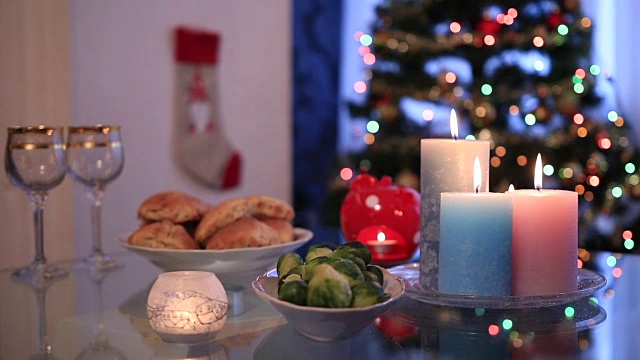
84 313
100 348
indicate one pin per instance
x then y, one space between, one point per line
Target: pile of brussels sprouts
331 277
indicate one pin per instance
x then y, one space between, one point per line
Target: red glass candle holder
384 216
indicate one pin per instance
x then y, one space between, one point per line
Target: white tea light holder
187 307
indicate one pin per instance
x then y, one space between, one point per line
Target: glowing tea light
545 239
475 241
187 307
444 167
383 242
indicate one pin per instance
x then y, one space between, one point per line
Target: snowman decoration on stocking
204 152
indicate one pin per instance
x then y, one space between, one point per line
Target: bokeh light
629 244
428 114
569 312
617 272
494 330
346 174
373 126
360 87
366 39
611 260
369 59
530 119
450 77
369 139
521 160
507 324
616 191
455 27
489 40
578 119
486 89
612 116
538 41
563 29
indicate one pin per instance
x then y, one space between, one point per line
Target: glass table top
93 317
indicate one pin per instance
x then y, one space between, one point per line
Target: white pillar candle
545 239
444 167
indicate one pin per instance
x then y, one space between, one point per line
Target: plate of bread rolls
237 236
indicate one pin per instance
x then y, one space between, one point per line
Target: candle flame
477 175
511 188
381 236
537 177
453 124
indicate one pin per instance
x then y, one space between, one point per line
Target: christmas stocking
203 151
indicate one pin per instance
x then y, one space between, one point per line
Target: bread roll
223 214
163 235
243 233
263 206
174 206
284 229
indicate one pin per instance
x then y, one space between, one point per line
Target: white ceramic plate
230 264
323 324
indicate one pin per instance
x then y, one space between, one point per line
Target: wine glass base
96 263
38 274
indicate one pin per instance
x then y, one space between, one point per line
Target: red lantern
383 216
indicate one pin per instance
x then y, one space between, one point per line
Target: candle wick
538 188
477 189
455 137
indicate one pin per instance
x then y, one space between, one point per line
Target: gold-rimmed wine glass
95 157
35 161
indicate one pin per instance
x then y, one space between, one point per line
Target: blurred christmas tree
518 73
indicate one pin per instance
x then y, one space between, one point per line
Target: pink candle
545 239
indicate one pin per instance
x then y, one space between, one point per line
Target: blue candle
475 244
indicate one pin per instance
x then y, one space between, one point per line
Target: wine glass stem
97 192
37 199
41 339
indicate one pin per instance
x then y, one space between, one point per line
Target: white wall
123 73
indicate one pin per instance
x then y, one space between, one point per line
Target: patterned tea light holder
383 216
187 307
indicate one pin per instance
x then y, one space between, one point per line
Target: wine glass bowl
95 154
35 162
95 157
35 158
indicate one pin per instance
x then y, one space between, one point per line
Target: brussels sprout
377 271
287 262
318 252
371 277
353 247
356 260
311 265
349 270
290 276
294 291
328 288
328 245
366 294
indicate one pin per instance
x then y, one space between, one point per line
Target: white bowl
324 324
230 266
